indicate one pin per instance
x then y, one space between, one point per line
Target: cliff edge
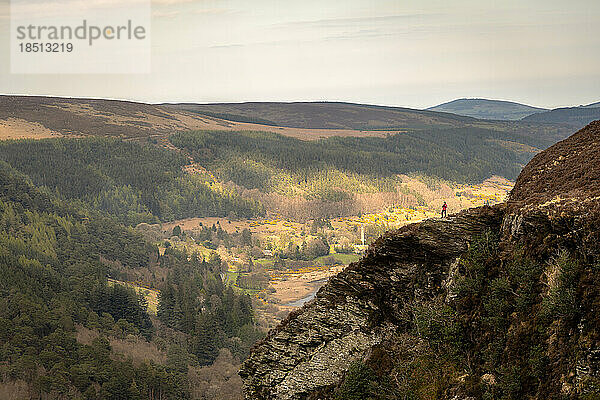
495 302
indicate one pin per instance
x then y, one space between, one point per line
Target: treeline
308 250
463 155
134 182
214 236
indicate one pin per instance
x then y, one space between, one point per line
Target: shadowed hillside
553 173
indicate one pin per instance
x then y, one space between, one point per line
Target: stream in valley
300 302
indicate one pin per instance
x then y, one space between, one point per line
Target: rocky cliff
491 303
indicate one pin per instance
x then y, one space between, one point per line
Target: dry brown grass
14 128
43 117
85 335
14 390
138 350
569 169
133 347
219 381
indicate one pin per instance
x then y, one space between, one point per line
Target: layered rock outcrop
360 308
367 310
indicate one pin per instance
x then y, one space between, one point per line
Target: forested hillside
134 182
66 333
460 155
150 182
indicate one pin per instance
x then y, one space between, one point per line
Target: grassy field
151 295
340 258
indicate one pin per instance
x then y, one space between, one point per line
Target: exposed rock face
554 206
360 307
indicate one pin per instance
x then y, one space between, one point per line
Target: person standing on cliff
444 208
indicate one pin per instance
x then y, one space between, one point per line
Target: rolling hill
488 109
348 119
43 117
348 116
325 115
576 117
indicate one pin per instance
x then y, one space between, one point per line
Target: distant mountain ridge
488 109
577 117
37 117
500 110
324 115
593 105
363 119
23 116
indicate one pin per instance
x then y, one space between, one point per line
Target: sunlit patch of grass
151 295
340 258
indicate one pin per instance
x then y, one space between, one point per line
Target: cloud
344 22
258 43
361 34
170 13
4 11
212 11
52 8
171 2
229 46
372 27
165 14
175 2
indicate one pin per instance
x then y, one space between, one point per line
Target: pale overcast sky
395 52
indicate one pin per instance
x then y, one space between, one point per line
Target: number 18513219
46 47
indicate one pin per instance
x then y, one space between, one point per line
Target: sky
391 52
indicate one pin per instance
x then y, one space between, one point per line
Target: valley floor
278 289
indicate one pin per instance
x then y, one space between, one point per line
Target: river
300 302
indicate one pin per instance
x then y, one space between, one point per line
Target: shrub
361 383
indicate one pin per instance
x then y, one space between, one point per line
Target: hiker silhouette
444 208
